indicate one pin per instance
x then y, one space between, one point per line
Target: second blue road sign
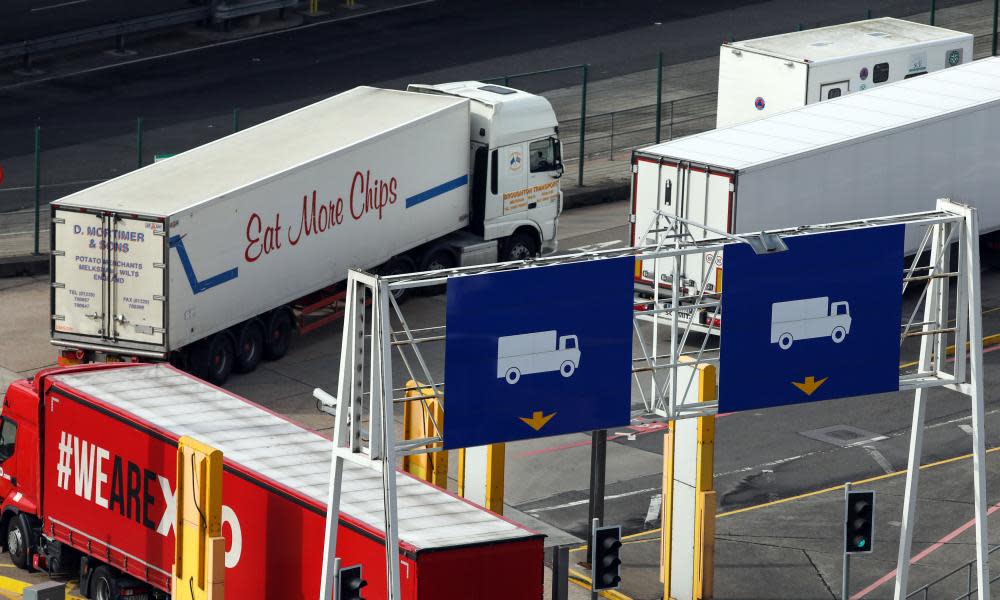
538 352
818 321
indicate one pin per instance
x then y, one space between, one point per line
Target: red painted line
926 552
636 430
552 449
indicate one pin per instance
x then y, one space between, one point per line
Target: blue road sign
538 352
816 322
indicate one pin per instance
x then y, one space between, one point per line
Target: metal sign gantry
686 319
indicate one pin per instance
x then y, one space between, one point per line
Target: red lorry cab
88 459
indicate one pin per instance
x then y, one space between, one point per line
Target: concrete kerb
20 266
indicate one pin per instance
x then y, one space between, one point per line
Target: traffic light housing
859 528
351 583
606 557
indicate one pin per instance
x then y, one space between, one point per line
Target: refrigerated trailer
210 257
765 76
89 457
891 150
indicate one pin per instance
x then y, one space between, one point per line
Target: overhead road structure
378 342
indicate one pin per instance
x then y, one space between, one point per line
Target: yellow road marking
8 584
988 340
583 581
631 538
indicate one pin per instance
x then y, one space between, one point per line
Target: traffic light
860 525
606 557
351 583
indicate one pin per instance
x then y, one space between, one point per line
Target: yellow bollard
704 497
199 550
418 423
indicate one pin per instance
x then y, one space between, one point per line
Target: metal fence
56 158
953 582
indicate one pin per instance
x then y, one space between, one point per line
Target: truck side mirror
557 157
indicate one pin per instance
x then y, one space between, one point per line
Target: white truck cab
516 163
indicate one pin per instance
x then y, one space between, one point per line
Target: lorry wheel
437 260
101 584
838 334
519 246
567 369
18 542
397 266
279 335
513 375
785 341
249 347
215 359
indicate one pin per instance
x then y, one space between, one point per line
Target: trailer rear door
698 193
109 279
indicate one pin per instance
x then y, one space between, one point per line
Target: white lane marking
906 431
60 5
218 45
579 502
25 232
879 458
966 428
655 503
877 438
595 247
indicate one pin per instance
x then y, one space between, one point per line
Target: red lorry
88 459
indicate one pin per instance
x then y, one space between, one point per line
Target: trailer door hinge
631 219
732 187
635 168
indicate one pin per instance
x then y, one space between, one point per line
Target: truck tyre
249 347
214 359
279 335
437 260
398 265
102 584
520 246
785 341
513 375
838 334
567 368
18 541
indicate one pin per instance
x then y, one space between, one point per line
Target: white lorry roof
260 152
288 454
811 128
836 42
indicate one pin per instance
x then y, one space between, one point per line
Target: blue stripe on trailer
437 190
198 287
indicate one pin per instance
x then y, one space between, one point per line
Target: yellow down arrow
810 384
537 420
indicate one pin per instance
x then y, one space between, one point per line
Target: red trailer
88 458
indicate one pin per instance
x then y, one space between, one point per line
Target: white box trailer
891 150
201 258
765 76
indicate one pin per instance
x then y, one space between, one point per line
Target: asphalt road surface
446 40
760 455
29 19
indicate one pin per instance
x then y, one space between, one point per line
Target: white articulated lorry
763 77
891 150
205 258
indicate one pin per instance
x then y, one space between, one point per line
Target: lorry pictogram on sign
537 352
808 319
